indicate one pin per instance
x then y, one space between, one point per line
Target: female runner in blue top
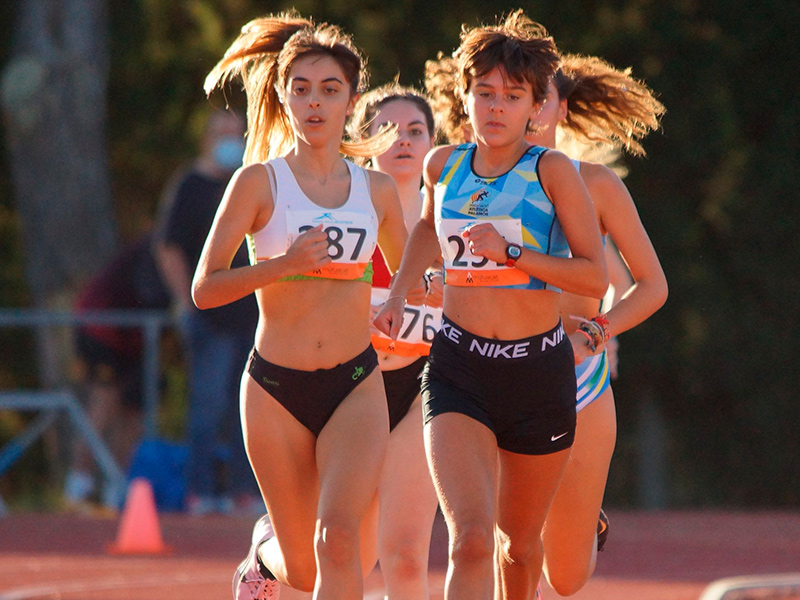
499 388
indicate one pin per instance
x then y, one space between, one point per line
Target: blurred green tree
717 193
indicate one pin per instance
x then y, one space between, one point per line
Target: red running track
649 556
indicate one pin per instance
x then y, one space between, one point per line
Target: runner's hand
581 348
390 318
309 251
485 241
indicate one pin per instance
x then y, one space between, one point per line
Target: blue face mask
228 153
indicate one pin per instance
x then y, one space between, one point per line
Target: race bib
420 324
463 268
352 238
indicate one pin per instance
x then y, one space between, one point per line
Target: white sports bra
352 228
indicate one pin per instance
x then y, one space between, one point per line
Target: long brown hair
606 104
262 56
448 108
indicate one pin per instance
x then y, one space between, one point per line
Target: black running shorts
402 387
523 390
312 396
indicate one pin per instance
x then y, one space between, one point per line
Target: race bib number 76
420 324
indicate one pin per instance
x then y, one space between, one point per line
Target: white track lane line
111 583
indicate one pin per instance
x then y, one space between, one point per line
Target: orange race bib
420 324
462 268
352 238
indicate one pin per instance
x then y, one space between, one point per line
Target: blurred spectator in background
218 341
109 363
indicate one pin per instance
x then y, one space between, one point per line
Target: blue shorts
312 396
593 378
522 390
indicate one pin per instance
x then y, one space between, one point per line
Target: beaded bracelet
595 330
602 320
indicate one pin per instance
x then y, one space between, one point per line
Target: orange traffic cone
139 531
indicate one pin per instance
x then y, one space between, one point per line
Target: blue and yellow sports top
514 203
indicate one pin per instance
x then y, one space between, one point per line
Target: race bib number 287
351 240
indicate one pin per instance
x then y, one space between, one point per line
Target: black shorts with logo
402 387
523 390
312 396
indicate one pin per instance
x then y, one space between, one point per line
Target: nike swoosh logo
553 438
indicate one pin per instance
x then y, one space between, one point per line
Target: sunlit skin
404 161
570 529
407 497
507 495
320 490
499 108
318 100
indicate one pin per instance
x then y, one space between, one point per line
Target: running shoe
602 530
252 580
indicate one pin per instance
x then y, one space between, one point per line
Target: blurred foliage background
707 394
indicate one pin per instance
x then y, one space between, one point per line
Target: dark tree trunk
54 107
54 96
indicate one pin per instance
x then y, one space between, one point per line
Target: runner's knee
520 550
338 541
473 543
407 562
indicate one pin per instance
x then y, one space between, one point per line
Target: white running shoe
248 581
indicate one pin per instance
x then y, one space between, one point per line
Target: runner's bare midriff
503 314
313 324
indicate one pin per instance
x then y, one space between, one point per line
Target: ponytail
440 83
606 105
262 56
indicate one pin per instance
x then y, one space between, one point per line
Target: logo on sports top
553 438
326 218
478 206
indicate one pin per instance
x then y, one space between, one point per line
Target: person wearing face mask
217 341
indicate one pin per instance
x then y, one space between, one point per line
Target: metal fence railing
53 403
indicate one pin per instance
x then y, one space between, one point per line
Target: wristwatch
513 252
